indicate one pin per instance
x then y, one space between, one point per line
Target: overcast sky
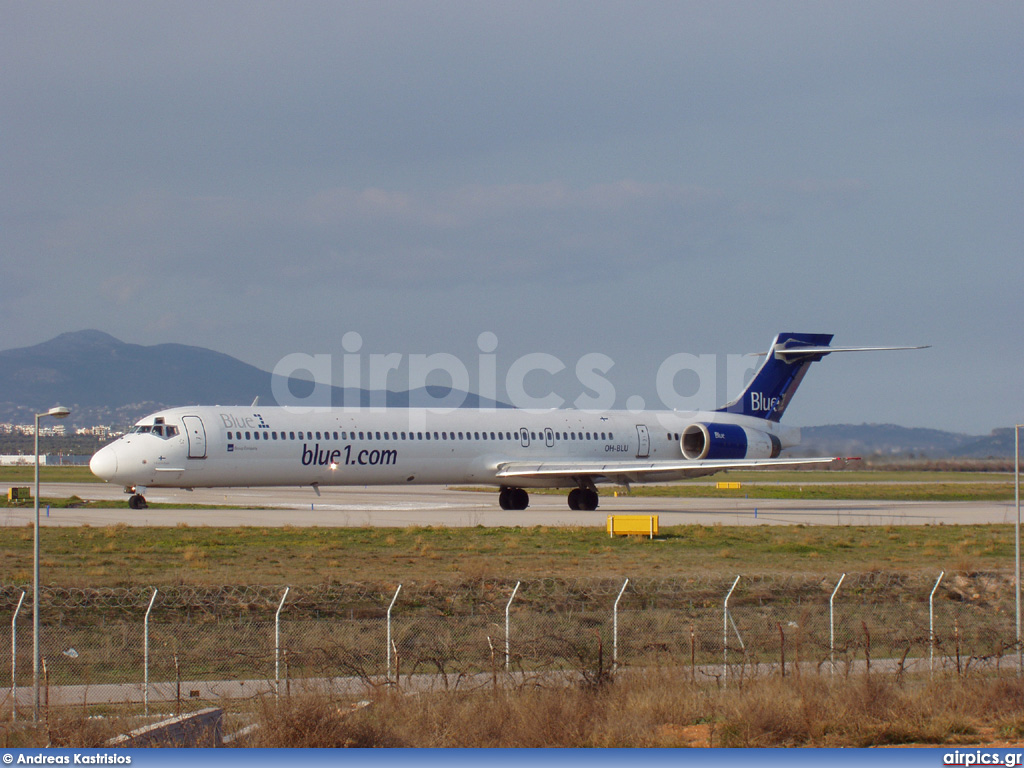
634 179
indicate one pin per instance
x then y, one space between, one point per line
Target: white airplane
218 447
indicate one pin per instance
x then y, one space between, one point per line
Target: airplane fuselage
214 446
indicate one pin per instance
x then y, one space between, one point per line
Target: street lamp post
1016 544
58 412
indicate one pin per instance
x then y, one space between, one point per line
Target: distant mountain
106 381
891 440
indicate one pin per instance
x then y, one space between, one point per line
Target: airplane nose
104 463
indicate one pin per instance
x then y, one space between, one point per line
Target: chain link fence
184 643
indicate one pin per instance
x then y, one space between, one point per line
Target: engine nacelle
727 441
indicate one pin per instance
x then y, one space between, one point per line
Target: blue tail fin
772 387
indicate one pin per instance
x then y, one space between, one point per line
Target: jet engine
727 441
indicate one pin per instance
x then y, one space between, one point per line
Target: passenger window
273 435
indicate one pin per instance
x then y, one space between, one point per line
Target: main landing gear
513 498
581 499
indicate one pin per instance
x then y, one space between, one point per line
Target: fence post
145 652
508 644
931 625
615 627
14 658
387 649
277 644
725 630
832 624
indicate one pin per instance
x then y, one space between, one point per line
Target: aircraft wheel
137 501
574 498
505 498
520 499
588 500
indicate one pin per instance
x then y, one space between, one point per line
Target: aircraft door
549 437
643 449
196 436
524 436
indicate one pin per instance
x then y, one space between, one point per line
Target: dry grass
651 708
662 710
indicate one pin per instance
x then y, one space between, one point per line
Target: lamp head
59 412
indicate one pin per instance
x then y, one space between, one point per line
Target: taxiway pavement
443 506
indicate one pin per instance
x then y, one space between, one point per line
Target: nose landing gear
136 500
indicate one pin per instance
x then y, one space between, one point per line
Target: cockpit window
159 430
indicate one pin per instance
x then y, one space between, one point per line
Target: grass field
122 555
26 475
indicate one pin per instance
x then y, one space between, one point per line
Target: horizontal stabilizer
787 354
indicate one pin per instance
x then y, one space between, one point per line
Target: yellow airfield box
633 525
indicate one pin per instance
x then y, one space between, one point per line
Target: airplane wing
635 471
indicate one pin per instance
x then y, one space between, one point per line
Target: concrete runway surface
440 506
